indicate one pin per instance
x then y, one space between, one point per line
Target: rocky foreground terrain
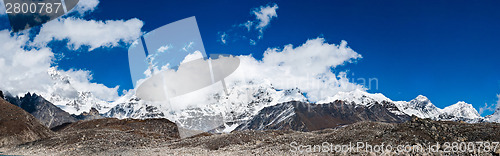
160 137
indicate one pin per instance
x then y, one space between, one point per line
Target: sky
445 50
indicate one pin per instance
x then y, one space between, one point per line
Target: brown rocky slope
18 126
83 139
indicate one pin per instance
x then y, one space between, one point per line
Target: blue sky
445 50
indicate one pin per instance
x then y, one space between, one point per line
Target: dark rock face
17 126
301 116
91 115
47 113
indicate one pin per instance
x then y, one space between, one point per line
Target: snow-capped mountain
421 107
362 98
304 116
495 117
213 109
343 108
209 108
129 106
349 107
64 95
358 97
460 111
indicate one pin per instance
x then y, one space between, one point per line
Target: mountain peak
422 102
460 105
422 98
357 96
463 110
421 107
463 103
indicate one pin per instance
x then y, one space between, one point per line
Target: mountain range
250 104
22 134
270 108
303 116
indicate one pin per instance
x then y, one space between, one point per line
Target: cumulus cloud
314 57
23 71
263 16
91 33
307 67
20 69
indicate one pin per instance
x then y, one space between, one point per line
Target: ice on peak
422 98
357 96
462 109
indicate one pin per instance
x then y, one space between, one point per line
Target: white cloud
188 46
92 33
263 16
252 42
223 38
492 107
315 56
23 71
247 25
307 67
486 107
163 48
